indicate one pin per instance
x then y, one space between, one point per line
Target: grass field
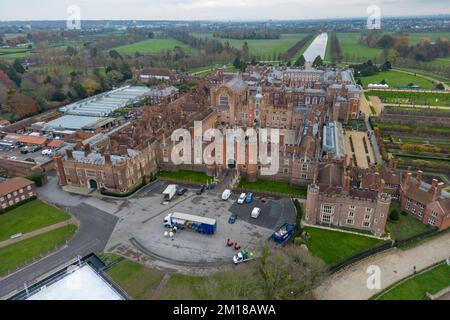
185 175
351 48
432 281
28 217
396 78
272 186
406 226
138 281
141 282
267 48
18 254
154 46
334 246
442 62
415 38
302 50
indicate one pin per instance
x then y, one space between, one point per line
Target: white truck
188 221
170 192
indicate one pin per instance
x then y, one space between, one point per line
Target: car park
226 194
241 198
255 213
249 198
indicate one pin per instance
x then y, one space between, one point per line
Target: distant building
427 203
15 191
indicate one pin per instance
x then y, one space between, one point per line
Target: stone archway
93 184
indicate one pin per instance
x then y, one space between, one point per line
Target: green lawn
18 254
396 78
442 62
185 175
406 226
141 282
28 217
266 48
138 281
432 281
272 186
334 246
352 50
154 46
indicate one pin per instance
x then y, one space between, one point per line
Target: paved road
94 232
395 265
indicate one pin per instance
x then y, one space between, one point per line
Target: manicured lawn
352 50
334 246
415 38
154 46
272 186
266 48
442 62
405 227
28 217
396 78
415 288
137 280
185 175
18 254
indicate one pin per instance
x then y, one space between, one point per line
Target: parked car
181 191
226 194
249 197
255 213
47 152
232 218
30 160
24 150
35 149
263 200
201 189
241 198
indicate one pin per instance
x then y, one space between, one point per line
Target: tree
151 35
114 77
58 95
318 62
71 51
300 61
289 272
386 41
440 86
114 54
18 66
91 86
22 105
394 216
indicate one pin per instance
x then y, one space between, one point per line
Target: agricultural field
150 46
415 38
266 48
411 97
353 51
398 79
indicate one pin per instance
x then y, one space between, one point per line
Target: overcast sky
214 9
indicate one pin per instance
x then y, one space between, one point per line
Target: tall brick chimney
406 180
107 156
69 153
419 177
87 149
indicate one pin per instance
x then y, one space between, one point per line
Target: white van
255 213
226 194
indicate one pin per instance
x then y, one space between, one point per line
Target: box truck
188 221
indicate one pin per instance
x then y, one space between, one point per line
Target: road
93 233
395 265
